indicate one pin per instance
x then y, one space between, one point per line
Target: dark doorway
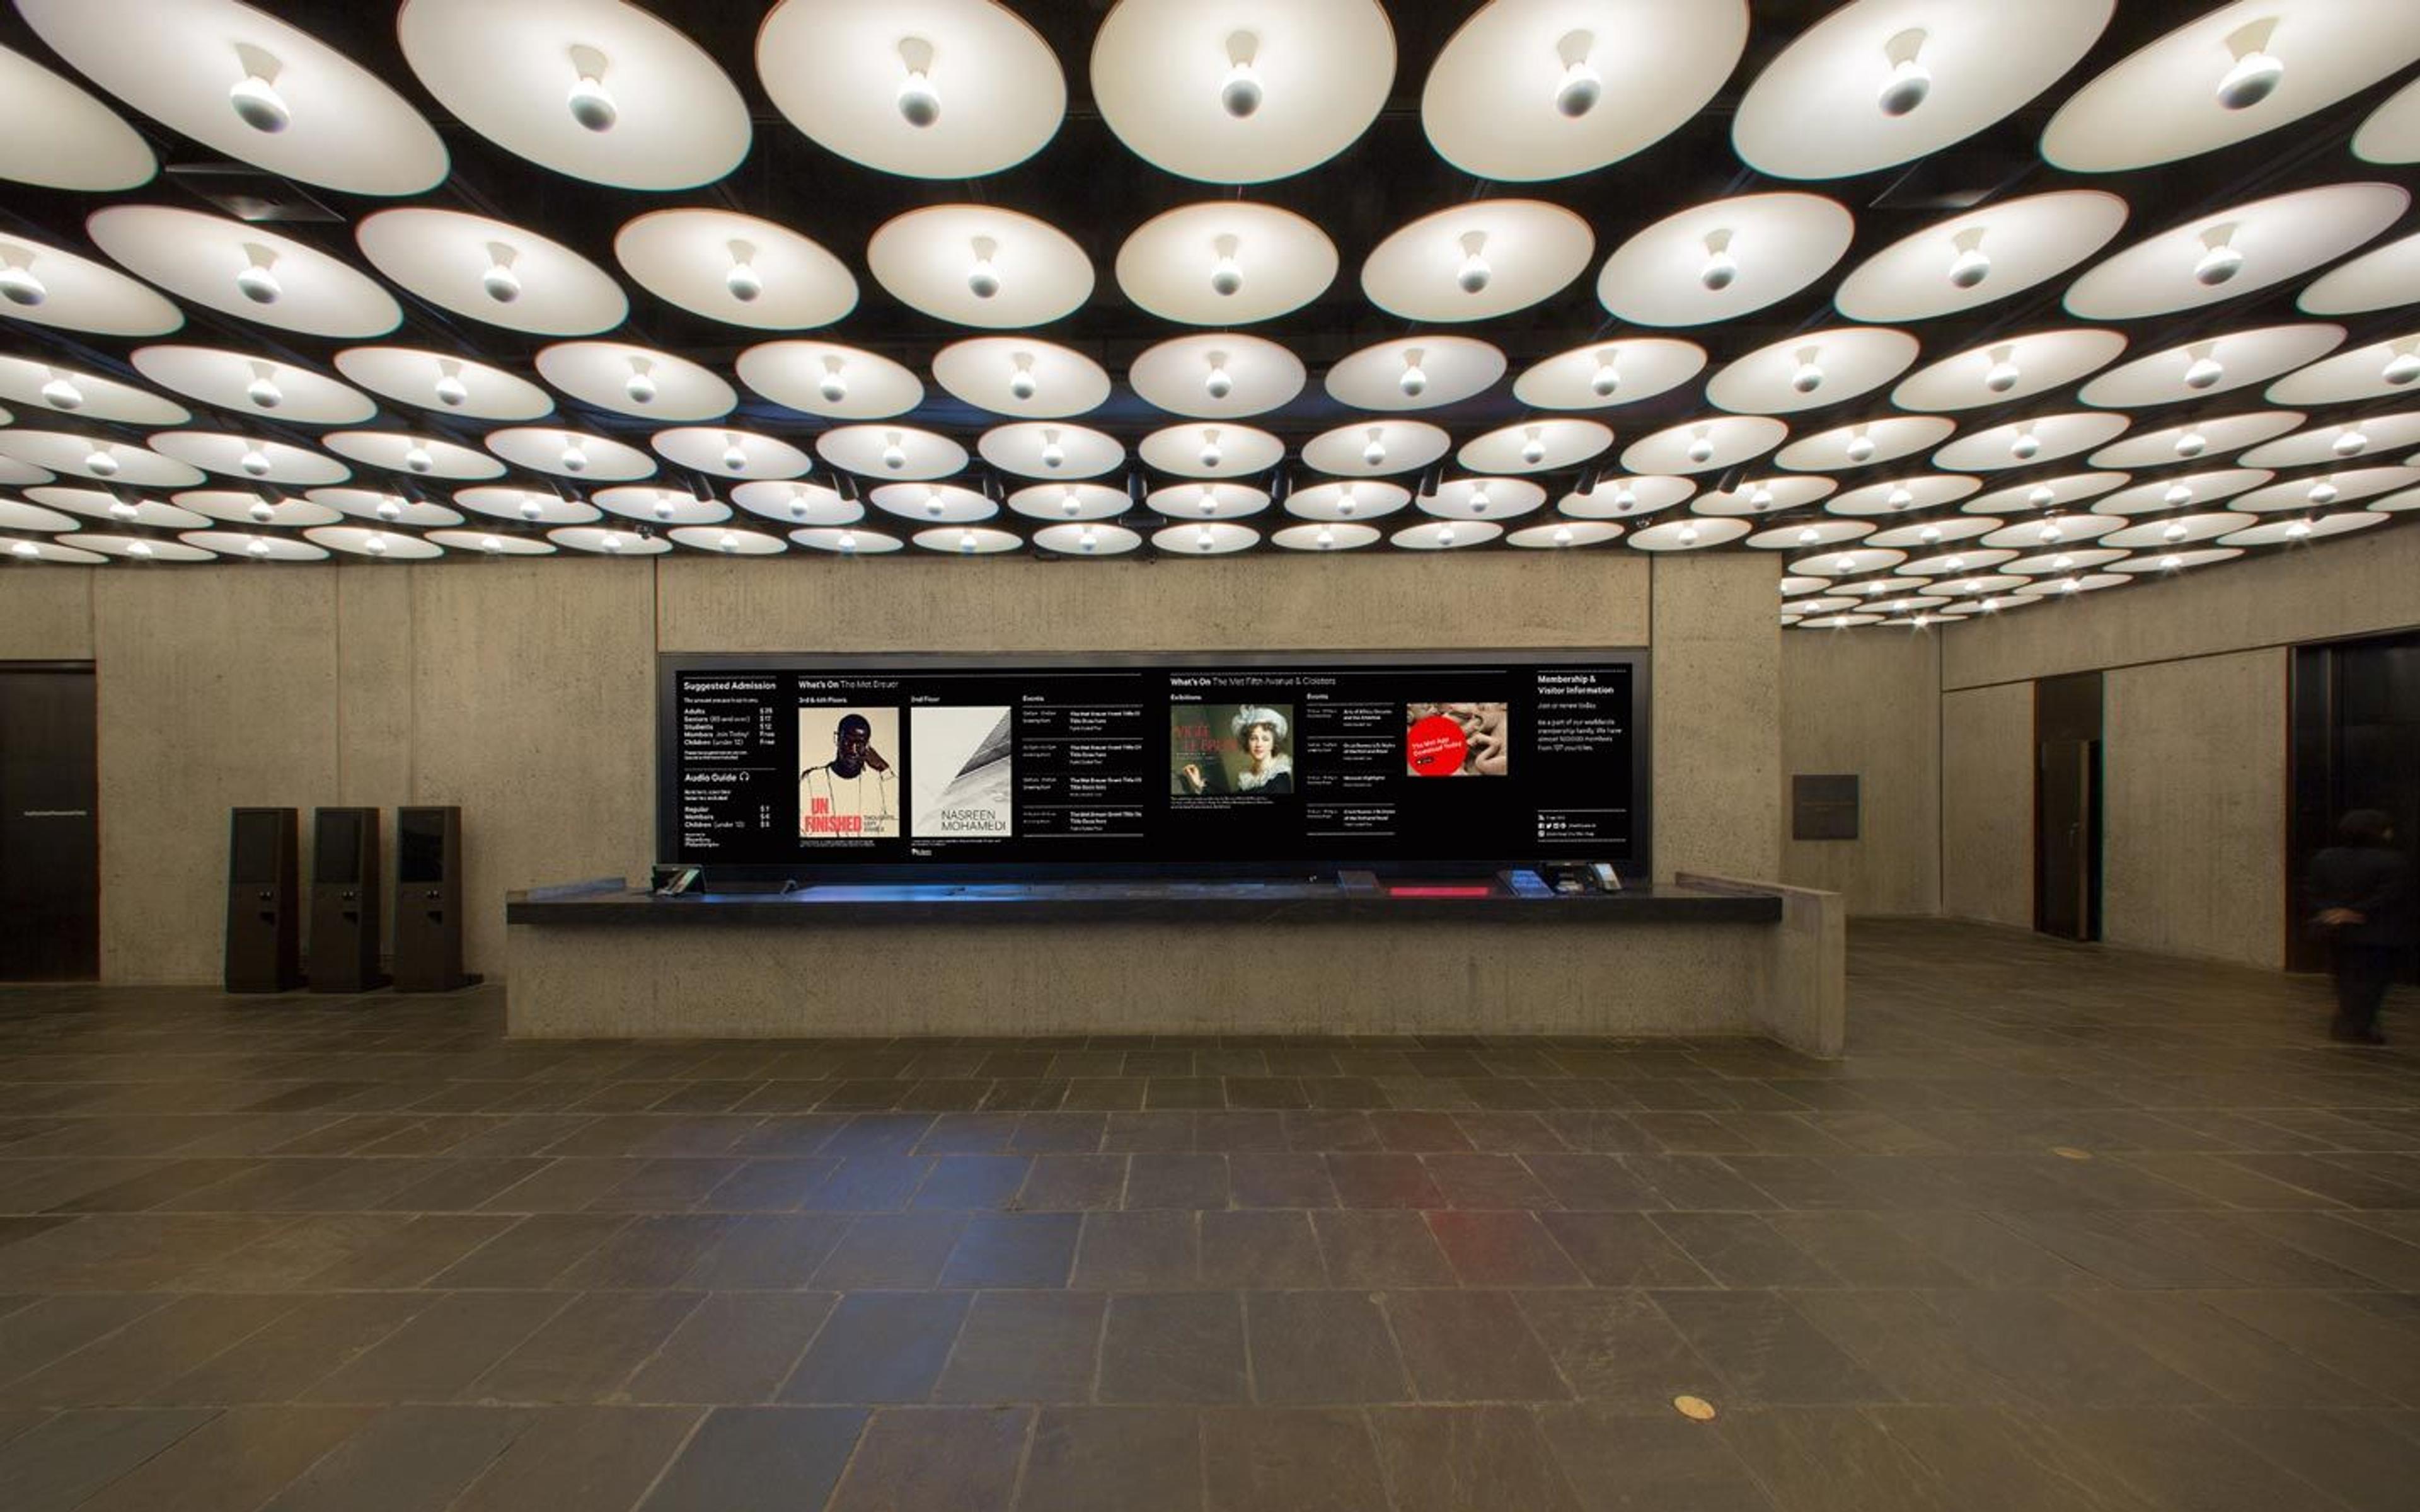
50 833
2067 806
2356 746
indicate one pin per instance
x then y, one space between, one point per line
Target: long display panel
883 767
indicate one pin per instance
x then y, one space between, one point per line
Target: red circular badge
1434 747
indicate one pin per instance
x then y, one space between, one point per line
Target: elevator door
50 844
2067 783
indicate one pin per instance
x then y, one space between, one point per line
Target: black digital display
420 845
336 852
898 766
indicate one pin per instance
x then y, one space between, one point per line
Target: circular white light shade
2264 242
2379 279
720 451
51 552
246 456
1416 373
1445 535
796 504
369 541
1535 446
1822 109
179 64
2361 373
846 541
735 268
1798 536
200 258
938 260
817 377
1687 534
2077 580
2158 533
1085 540
2044 493
100 505
2177 490
2004 249
1626 497
2002 372
2399 503
1218 377
670 118
1042 449
2303 530
1563 534
255 385
1375 448
2030 442
1478 260
1225 263
2062 531
1752 497
1900 496
428 380
636 380
85 396
1605 374
2327 445
250 546
1069 501
531 506
1704 445
1208 500
421 457
1812 370
964 541
1483 499
16 515
1714 261
144 548
462 262
79 294
891 451
1932 535
1535 89
848 74
1213 451
944 503
54 134
2216 436
608 541
1866 444
1354 498
1013 376
2240 358
1840 622
2392 132
571 454
69 455
493 543
1325 536
2319 491
2163 102
660 506
1308 77
2159 561
1848 563
389 508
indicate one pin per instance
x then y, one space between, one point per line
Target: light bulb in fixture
2177 494
255 97
1022 385
1374 453
2004 374
257 549
1210 503
1958 564
124 511
1688 534
501 283
389 509
726 542
1760 498
1086 540
846 541
1412 380
1624 500
451 390
2172 562
1479 503
254 461
1533 449
2402 367
894 455
263 511
799 506
2350 442
416 457
641 384
1203 539
574 457
920 104
1445 535
2174 531
982 279
741 279
1345 501
663 505
1900 497
1327 539
1211 455
2299 529
1474 272
2322 492
832 386
1226 274
60 392
376 545
735 453
2025 446
611 542
1808 376
1219 384
2204 371
138 548
1581 87
1053 455
1930 535
1240 94
2050 534
933 503
18 284
1722 268
1606 380
589 102
533 508
1972 264
256 280
1702 447
27 550
2219 260
2069 585
492 546
2256 73
1909 81
1563 536
1809 535
263 389
1069 504
2191 443
1861 446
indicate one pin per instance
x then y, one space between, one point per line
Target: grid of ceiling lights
1230 94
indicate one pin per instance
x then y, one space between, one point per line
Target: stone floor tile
580 1459
1381 1250
1468 1460
233 1463
759 1459
1014 1249
1287 1459
1471 1346
1026 1347
1113 1459
1259 1250
736 1347
441 1351
1178 1347
1321 1347
936 1460
880 1346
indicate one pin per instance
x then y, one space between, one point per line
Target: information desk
1714 956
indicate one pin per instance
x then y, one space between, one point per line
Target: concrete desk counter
1707 956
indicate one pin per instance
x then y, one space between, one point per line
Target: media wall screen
899 766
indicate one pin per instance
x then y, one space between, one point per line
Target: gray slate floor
2069 1229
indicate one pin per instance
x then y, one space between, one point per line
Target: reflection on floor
2069 1229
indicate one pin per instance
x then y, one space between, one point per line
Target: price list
733 753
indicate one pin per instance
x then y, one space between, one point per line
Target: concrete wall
1987 803
1868 705
525 691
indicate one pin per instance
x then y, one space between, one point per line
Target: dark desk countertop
1128 903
